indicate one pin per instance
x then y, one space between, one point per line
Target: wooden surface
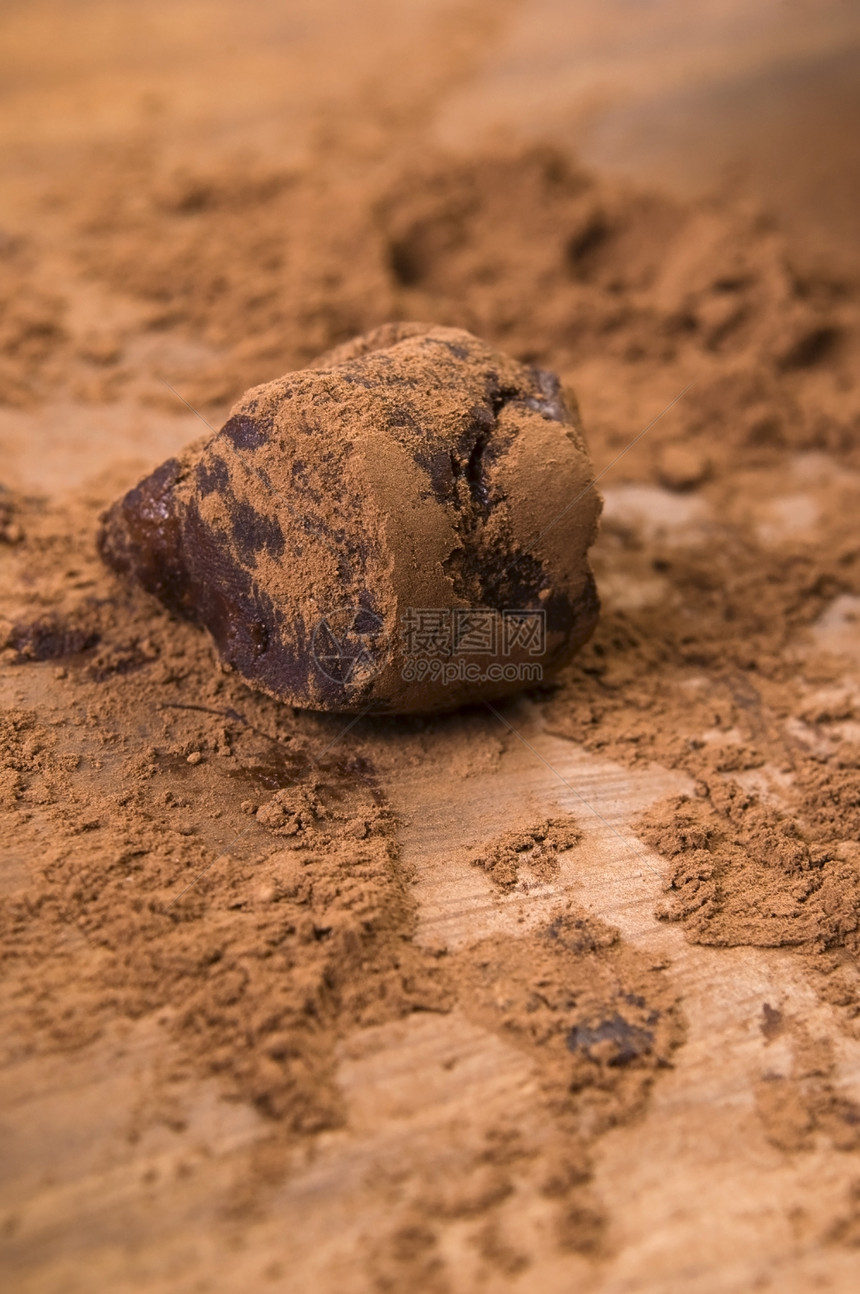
102 1187
100 1183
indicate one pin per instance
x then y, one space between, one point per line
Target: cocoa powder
190 853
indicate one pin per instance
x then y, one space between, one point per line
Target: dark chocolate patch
212 475
459 352
240 616
141 536
245 432
402 417
259 635
628 1040
50 638
509 581
444 469
502 395
253 531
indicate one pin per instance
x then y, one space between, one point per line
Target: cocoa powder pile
191 855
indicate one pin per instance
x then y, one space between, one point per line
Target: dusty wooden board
103 1181
108 1184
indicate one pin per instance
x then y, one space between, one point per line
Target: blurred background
103 101
762 95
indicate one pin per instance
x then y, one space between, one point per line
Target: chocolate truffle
404 526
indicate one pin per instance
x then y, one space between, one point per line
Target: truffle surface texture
402 527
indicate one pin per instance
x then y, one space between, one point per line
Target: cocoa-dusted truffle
404 526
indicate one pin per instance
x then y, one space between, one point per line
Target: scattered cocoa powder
185 851
535 848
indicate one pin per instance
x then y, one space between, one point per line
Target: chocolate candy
402 527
